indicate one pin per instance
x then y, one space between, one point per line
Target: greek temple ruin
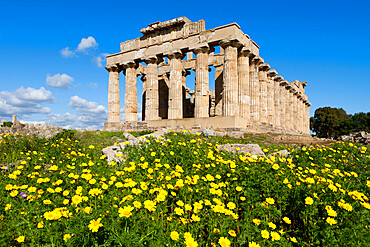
248 94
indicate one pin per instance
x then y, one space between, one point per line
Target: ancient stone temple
248 94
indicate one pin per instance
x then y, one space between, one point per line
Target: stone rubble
358 137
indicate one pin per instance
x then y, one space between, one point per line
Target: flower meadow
180 190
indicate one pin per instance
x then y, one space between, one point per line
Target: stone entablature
246 88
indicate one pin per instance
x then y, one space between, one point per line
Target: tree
326 120
361 122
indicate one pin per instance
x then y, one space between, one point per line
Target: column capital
284 83
130 64
264 67
291 88
113 68
202 48
152 59
177 54
230 42
272 73
257 60
278 78
245 52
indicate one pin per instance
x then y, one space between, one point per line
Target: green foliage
7 124
141 133
326 120
65 134
195 189
361 122
333 122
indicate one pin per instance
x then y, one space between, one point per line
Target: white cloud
98 60
25 101
66 52
86 108
83 47
90 115
59 80
87 43
72 121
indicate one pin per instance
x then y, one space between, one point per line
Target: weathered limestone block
113 95
262 76
201 82
244 83
131 93
251 149
151 100
175 110
230 78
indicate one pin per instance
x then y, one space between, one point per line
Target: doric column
152 98
201 82
230 99
300 112
254 87
131 92
271 115
290 103
307 117
295 118
262 77
243 81
284 103
277 100
113 94
175 110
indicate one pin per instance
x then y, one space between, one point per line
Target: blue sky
52 72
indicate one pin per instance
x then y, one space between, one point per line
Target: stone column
262 76
230 99
295 118
307 117
113 94
254 87
175 110
201 82
300 112
290 117
219 88
277 101
271 97
284 103
131 92
244 83
152 98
